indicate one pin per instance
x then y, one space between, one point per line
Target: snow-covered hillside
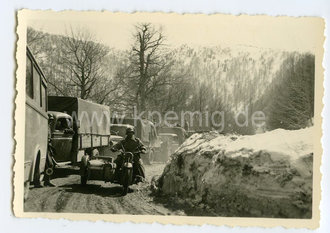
266 174
240 74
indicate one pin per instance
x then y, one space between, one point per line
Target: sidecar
103 168
97 168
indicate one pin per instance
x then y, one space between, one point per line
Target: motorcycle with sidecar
103 168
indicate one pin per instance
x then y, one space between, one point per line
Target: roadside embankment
263 175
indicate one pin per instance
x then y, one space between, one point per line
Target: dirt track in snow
97 197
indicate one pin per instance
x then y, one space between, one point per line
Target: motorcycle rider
130 144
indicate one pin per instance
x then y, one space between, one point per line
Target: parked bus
36 123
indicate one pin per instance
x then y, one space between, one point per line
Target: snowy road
97 197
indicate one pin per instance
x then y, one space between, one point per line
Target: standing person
186 125
49 168
131 144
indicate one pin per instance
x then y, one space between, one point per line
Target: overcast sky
115 30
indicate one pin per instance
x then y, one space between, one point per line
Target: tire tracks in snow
96 197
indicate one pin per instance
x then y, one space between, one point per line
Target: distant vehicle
170 142
180 132
36 123
120 129
79 127
145 130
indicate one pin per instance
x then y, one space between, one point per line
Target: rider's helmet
130 130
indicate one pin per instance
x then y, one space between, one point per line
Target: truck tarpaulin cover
94 118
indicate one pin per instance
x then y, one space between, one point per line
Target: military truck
79 127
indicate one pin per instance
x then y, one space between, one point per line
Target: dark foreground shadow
115 191
65 172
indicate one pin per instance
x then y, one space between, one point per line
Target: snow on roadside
267 174
280 142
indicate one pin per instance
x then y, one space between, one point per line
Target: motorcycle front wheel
127 174
83 180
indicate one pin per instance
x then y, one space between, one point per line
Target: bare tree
33 37
148 63
83 58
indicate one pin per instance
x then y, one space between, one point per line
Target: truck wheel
36 173
83 169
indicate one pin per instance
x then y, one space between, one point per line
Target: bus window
36 84
29 78
43 97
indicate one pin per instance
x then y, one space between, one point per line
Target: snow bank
263 175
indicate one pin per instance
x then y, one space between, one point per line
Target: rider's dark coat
130 145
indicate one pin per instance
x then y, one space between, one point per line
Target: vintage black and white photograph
168 115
